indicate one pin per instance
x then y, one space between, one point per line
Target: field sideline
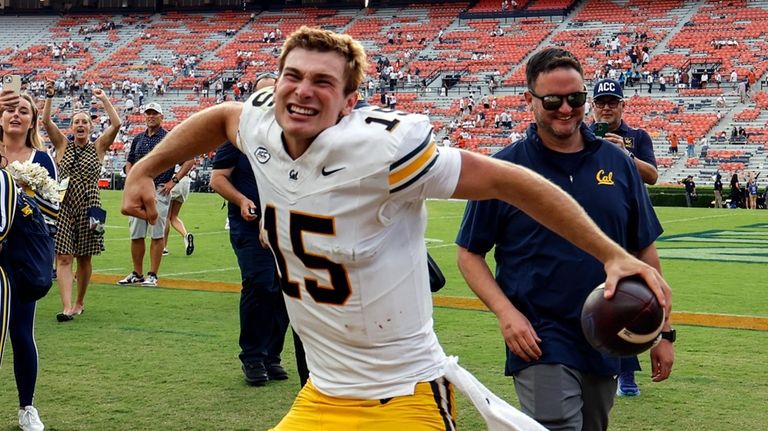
148 358
462 303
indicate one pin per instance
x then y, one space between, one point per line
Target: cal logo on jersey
413 165
263 99
629 142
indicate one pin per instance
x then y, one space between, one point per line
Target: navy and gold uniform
7 211
533 264
346 223
636 141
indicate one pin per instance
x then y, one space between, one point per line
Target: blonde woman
79 163
20 142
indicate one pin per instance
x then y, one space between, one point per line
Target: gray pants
564 399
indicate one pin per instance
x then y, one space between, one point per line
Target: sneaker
150 280
275 371
255 374
627 386
166 252
29 419
132 278
190 240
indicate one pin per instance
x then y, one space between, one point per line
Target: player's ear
349 103
528 99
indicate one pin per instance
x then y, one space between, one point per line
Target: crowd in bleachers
197 60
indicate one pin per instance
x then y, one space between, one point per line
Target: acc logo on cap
606 86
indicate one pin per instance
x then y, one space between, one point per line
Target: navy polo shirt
546 277
228 156
637 141
141 146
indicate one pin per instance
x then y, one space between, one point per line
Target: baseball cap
608 87
153 106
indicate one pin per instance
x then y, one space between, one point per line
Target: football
627 324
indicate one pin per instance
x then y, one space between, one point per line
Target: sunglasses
554 102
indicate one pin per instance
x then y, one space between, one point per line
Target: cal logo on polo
603 178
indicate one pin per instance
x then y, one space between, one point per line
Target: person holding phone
79 162
20 141
609 103
608 98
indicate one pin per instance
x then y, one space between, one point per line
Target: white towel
498 414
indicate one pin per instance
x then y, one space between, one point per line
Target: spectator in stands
690 190
346 354
718 188
608 98
559 378
141 146
20 141
179 195
674 142
690 147
79 162
720 102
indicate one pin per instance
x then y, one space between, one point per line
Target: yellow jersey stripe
414 167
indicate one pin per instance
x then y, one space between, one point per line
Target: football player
342 192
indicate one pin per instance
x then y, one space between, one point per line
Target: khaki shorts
138 228
180 192
430 408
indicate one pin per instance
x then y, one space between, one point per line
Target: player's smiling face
310 96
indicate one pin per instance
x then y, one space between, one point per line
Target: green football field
166 358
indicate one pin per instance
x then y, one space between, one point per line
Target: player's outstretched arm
487 178
200 133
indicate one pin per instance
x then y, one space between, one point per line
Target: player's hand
520 336
99 93
9 100
626 266
139 197
662 359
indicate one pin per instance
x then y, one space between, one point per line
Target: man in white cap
141 146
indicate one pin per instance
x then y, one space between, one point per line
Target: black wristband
49 97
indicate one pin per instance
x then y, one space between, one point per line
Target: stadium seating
230 47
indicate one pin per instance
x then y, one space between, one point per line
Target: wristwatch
670 335
175 179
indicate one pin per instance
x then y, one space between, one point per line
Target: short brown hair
316 39
548 60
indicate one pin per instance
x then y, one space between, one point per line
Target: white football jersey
346 223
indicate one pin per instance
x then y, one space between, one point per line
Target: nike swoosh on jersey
330 172
413 165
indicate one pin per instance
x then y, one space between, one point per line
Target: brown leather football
627 324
